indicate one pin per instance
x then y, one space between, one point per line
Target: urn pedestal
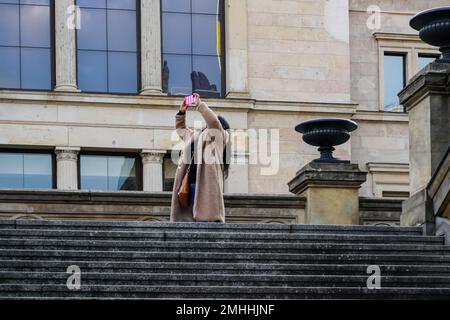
329 185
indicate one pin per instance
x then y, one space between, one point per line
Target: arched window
193 45
25 44
107 46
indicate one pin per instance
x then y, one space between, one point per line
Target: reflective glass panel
176 74
176 5
94 172
92 34
9 25
122 72
121 30
122 173
92 71
423 61
207 76
205 29
394 81
36 68
9 67
177 33
206 6
11 170
34 26
38 171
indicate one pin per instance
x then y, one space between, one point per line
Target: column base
66 88
152 92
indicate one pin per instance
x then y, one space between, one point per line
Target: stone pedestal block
427 100
331 191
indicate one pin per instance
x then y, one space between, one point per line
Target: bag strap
190 164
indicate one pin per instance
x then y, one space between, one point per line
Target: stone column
67 168
151 47
427 100
152 170
65 46
236 48
331 191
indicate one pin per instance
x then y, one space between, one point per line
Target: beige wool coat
208 201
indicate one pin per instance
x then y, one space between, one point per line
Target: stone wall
287 61
144 206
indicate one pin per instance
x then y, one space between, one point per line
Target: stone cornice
433 78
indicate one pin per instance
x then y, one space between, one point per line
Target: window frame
426 54
395 53
167 156
135 155
138 57
407 44
52 53
223 76
37 151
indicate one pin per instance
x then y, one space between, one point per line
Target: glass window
99 172
394 81
193 59
424 59
107 46
25 44
169 169
26 170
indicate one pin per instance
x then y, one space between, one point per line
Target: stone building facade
282 62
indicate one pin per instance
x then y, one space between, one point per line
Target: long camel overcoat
208 155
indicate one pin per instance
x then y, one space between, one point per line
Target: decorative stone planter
434 28
325 134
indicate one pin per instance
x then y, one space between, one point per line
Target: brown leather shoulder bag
183 192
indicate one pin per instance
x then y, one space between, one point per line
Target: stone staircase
160 260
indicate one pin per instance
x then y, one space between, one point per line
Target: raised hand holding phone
189 101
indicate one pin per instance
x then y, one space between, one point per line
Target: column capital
153 156
67 153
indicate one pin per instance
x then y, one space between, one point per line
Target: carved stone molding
152 156
66 155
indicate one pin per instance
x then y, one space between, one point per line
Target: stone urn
325 134
434 28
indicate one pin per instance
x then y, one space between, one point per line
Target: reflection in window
424 60
26 170
107 46
108 172
25 44
193 59
394 81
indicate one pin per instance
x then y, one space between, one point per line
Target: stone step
156 256
408 269
231 247
220 292
164 279
205 227
222 236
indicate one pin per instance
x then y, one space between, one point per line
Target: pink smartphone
189 101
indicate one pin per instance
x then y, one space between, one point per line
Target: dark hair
227 149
